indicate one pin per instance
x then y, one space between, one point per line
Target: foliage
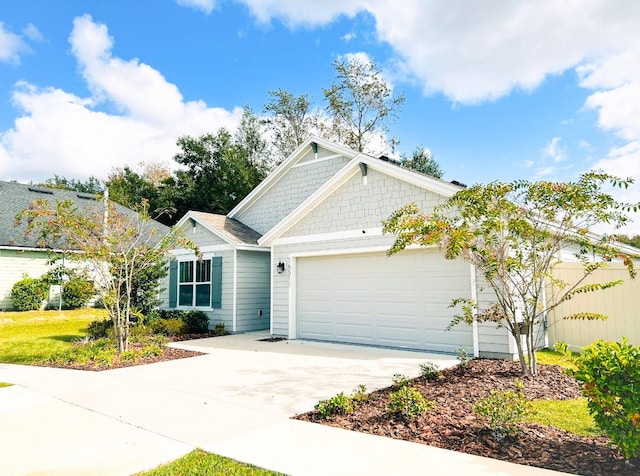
114 246
130 188
100 329
407 403
249 139
5 384
562 348
610 373
219 330
342 404
168 327
290 121
207 464
430 371
400 380
196 322
360 102
424 162
551 357
463 359
512 233
91 186
77 292
569 415
628 240
28 294
31 336
503 409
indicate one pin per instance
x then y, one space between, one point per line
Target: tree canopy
424 162
513 233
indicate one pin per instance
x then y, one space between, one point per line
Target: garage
369 298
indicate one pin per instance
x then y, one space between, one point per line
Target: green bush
29 293
430 371
407 403
610 372
401 380
196 322
339 404
77 292
503 409
168 327
100 329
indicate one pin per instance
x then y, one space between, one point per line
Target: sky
496 89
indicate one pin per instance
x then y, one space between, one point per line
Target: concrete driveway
236 400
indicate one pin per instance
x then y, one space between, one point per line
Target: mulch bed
453 425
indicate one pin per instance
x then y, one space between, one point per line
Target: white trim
339 251
293 290
337 235
45 250
315 161
252 248
474 297
271 271
203 249
235 289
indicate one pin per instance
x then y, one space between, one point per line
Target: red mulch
452 424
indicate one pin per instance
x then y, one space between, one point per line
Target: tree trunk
516 334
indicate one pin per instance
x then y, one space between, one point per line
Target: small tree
424 162
290 120
513 233
115 247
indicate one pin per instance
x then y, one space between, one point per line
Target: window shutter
173 283
216 282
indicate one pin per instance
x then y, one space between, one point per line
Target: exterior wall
620 303
13 264
201 236
253 285
310 156
493 342
358 206
290 191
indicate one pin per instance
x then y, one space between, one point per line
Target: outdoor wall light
280 267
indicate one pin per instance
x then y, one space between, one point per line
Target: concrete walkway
235 401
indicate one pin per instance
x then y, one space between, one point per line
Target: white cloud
205 6
32 32
11 46
554 150
61 133
348 37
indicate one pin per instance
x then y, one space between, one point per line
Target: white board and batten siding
13 265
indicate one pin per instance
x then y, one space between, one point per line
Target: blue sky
497 89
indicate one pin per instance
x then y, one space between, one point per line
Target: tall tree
250 140
361 102
218 173
423 161
290 120
513 233
118 249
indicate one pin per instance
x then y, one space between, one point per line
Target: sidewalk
119 422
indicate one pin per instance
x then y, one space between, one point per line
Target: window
194 288
196 283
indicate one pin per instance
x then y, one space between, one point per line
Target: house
303 255
22 254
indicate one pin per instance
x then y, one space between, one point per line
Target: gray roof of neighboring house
16 197
235 231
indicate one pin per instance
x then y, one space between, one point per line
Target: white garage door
397 301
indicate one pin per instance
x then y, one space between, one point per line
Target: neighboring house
24 255
309 237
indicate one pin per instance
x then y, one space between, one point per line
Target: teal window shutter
173 283
216 282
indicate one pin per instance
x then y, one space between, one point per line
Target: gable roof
16 197
228 229
426 182
272 179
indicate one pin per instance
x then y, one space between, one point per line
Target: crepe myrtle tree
115 248
513 233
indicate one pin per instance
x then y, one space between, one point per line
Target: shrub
196 322
503 409
401 380
430 371
29 293
168 327
610 372
219 330
100 329
407 403
77 292
463 359
562 348
339 404
359 395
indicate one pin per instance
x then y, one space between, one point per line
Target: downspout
474 297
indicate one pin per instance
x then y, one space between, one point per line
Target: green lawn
31 336
551 357
570 415
207 464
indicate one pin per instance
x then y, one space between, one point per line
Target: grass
552 357
32 336
207 464
570 415
5 384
